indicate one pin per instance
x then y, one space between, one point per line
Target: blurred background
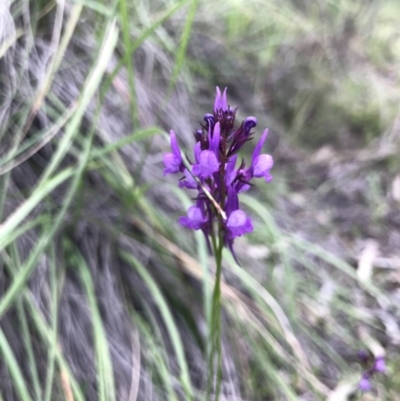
104 296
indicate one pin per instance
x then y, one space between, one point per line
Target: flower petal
238 223
189 182
257 149
172 163
224 101
262 165
364 384
217 102
197 151
232 203
209 119
221 101
249 123
174 144
379 365
215 140
194 219
230 172
244 188
207 164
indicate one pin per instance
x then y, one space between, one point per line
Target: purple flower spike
379 365
364 384
207 164
238 223
215 176
173 161
195 218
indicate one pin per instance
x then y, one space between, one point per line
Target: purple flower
207 163
364 384
249 123
379 365
242 135
261 164
363 355
262 167
209 119
195 218
173 161
238 224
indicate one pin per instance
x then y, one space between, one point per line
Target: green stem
215 335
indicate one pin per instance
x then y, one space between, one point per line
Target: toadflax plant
219 179
214 173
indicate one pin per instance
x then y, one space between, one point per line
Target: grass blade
90 86
13 368
184 41
129 64
105 374
168 320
